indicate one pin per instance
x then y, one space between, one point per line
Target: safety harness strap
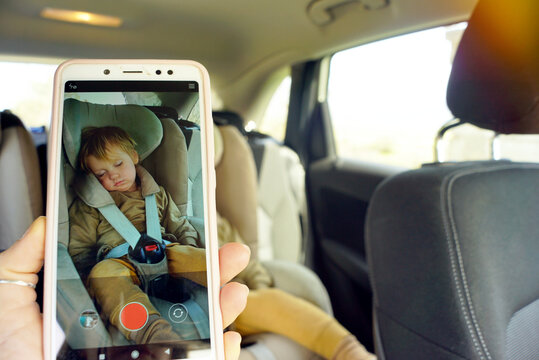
127 230
120 223
153 227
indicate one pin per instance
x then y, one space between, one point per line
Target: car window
387 98
387 101
27 87
274 120
27 90
468 142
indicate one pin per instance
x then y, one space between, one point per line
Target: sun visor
140 123
494 83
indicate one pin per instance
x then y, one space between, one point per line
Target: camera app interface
132 281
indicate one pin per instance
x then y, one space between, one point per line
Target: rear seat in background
21 199
281 198
237 201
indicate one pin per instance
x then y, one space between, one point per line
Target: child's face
117 173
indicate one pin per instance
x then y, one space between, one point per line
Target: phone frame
89 69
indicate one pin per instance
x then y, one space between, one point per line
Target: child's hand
21 325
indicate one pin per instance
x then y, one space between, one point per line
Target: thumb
25 257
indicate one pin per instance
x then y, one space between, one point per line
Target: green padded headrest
139 122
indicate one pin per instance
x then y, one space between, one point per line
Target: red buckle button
150 247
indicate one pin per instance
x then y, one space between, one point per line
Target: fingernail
247 247
34 226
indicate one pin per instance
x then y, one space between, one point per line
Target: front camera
106 71
170 72
158 72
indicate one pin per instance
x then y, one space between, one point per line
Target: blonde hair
97 141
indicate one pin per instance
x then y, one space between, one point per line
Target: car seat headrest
229 118
7 119
140 123
494 83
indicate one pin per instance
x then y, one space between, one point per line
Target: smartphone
131 263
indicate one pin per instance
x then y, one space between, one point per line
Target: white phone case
131 70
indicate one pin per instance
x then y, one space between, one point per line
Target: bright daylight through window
27 90
388 99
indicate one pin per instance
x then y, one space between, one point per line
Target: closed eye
118 163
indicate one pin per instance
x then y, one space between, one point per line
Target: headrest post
438 142
495 147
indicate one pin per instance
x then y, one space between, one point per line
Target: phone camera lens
170 72
106 71
158 72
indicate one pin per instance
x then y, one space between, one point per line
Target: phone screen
131 259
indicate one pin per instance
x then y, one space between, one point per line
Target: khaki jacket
92 237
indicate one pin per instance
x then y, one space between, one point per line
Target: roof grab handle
321 11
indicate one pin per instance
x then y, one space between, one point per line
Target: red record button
133 316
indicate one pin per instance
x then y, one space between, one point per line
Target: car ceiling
241 42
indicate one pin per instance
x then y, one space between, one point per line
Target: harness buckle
148 250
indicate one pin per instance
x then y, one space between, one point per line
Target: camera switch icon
178 313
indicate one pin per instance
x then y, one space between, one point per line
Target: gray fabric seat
454 248
21 198
454 262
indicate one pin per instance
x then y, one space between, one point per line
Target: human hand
21 324
233 258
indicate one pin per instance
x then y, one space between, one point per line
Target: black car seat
454 247
236 200
21 198
163 154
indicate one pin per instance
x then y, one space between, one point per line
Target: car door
338 191
357 118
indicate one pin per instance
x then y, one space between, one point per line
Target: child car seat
236 200
161 147
280 194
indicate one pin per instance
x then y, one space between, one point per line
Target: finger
233 300
25 257
233 258
232 345
20 320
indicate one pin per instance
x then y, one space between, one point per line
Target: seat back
21 198
280 193
454 262
235 192
236 200
453 248
281 199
